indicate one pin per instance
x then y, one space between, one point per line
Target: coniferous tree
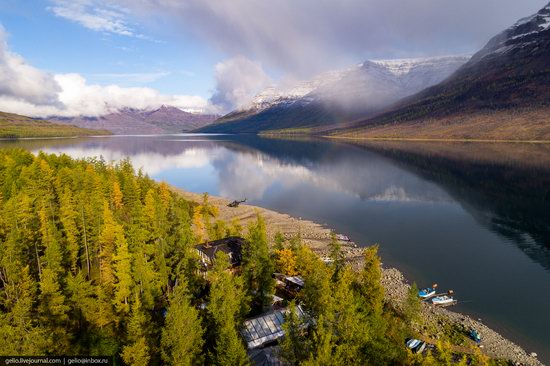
257 266
226 306
68 218
123 272
137 351
336 255
412 306
294 346
182 333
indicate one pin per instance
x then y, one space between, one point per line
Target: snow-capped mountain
525 33
276 95
335 96
502 92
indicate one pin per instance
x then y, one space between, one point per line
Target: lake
471 217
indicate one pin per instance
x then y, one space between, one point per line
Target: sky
92 57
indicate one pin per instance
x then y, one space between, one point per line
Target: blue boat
427 292
475 336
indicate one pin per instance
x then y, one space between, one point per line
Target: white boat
342 237
413 343
443 300
420 348
416 345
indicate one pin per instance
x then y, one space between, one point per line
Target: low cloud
22 81
78 98
237 80
29 91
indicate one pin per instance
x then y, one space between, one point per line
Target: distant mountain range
338 96
165 119
503 92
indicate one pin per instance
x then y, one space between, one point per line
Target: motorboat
342 237
475 336
427 292
443 300
415 345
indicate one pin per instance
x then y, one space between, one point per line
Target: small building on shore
232 246
267 328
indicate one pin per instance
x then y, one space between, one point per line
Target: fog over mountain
340 95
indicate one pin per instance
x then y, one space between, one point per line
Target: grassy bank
13 126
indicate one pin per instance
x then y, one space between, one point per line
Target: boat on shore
427 292
342 237
476 337
443 300
416 345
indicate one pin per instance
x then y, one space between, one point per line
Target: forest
98 259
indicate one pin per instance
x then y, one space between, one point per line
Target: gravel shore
317 237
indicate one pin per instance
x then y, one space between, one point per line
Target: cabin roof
232 246
266 328
266 357
297 280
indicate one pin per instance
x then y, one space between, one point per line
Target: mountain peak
540 19
526 32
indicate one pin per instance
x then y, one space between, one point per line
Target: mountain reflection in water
473 217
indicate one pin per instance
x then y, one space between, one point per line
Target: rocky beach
436 320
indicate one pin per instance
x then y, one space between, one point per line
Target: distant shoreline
437 140
317 237
413 139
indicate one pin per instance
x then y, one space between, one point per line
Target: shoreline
413 139
418 139
317 237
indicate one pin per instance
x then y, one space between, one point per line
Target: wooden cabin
232 246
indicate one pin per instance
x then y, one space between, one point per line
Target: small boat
475 336
413 343
427 292
420 348
443 300
342 237
416 345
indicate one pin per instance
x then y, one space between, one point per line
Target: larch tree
68 218
123 272
182 340
226 305
137 351
257 265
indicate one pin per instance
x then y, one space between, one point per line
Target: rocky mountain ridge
165 119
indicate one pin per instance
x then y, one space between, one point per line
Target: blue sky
171 63
92 57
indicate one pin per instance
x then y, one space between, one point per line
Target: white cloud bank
20 80
29 91
238 79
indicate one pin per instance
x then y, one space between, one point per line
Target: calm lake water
474 218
